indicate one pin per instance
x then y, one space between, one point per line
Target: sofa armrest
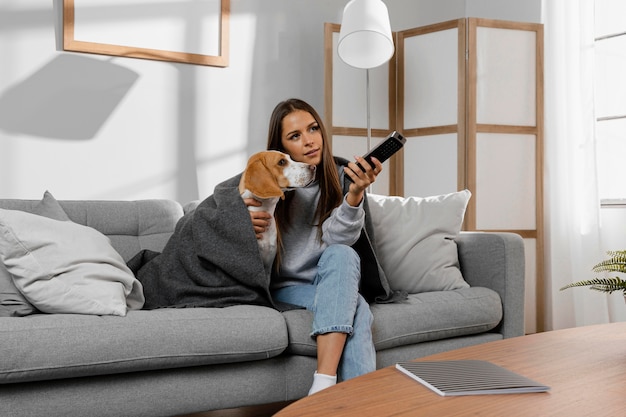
495 260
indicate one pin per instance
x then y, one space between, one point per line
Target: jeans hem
333 329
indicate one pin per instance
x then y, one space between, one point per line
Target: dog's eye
282 162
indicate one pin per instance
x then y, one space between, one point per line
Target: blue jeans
337 306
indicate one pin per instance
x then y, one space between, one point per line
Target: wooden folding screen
468 95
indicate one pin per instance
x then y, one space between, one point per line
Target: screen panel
430 165
431 79
505 76
505 177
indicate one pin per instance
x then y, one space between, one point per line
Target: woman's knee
343 252
340 260
340 267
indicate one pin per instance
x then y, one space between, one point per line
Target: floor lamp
365 41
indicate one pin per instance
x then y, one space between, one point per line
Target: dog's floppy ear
260 181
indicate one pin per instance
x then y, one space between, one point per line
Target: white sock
322 381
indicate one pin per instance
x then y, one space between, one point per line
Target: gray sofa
177 361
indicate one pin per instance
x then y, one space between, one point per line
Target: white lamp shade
365 37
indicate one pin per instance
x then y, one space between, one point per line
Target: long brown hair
327 175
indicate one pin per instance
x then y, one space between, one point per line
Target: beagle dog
267 175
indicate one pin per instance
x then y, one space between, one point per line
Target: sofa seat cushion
42 346
436 315
421 318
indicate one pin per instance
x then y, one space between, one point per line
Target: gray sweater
302 247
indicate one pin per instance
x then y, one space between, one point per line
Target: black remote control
385 149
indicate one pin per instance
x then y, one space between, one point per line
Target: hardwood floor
266 410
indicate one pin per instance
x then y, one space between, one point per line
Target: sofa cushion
131 225
299 327
414 239
421 318
64 267
66 345
436 315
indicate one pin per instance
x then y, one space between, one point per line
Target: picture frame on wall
177 31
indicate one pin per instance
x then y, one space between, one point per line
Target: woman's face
302 137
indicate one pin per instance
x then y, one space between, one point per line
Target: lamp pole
365 42
369 104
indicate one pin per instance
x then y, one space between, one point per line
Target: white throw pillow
65 267
12 302
414 240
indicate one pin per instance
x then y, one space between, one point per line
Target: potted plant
615 263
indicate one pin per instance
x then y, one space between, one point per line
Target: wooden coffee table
585 368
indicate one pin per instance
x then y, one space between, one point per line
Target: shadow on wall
71 97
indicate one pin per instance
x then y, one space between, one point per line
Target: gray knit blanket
213 259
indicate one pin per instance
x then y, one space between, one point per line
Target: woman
317 268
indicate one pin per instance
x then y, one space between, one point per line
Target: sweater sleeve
344 224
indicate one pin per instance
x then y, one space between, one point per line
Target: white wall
90 126
95 127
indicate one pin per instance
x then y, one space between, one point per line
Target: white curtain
572 209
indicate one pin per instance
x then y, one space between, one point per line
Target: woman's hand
260 219
361 179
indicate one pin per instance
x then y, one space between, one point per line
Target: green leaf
608 285
615 263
